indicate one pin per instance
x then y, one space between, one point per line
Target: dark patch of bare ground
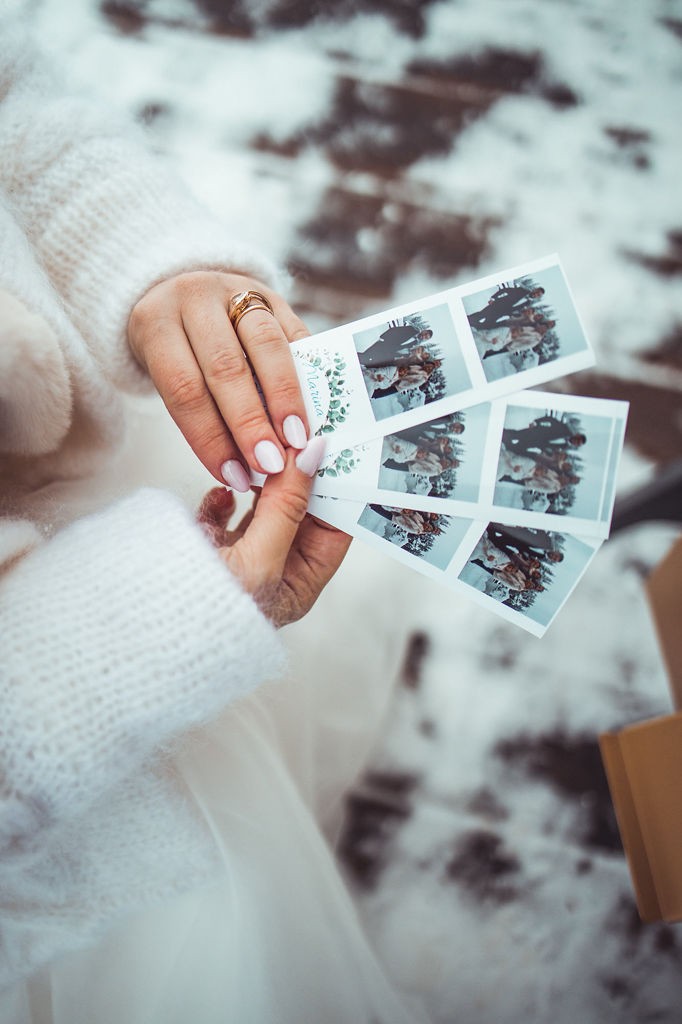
126 16
669 350
407 15
487 805
645 944
654 425
374 812
632 144
153 111
382 799
665 264
673 25
383 128
242 18
359 243
501 71
571 765
416 651
624 921
221 17
484 868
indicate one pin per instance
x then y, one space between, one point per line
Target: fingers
264 338
259 558
315 556
216 507
180 382
229 379
204 371
214 512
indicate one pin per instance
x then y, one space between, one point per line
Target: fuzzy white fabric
30 352
104 236
121 630
161 809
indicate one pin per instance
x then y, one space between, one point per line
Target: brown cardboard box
643 765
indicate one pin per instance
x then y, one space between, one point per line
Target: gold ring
242 302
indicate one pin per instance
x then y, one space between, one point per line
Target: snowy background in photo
383 151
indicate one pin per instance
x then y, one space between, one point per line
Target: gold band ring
243 302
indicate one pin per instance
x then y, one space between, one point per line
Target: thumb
259 557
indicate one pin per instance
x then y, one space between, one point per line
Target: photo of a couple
518 558
530 571
430 536
424 459
411 361
441 458
523 323
540 461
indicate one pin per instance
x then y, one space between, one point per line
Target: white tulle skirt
276 938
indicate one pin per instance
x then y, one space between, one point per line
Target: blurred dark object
658 501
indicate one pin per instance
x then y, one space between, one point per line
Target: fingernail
269 457
294 431
235 475
308 461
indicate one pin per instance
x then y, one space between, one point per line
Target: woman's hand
203 370
281 556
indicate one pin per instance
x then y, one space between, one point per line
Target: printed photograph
530 571
558 462
410 362
430 536
523 323
441 458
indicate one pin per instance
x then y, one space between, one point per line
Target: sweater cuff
121 633
107 218
130 229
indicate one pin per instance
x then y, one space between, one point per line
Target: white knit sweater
121 630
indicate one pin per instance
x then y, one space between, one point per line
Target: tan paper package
643 765
644 768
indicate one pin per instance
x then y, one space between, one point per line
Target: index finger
259 558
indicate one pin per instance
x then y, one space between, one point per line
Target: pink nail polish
269 457
308 461
294 432
235 475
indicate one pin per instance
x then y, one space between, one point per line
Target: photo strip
522 574
535 459
424 360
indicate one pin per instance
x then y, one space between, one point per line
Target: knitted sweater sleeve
106 217
119 634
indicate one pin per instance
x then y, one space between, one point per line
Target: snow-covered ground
381 154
